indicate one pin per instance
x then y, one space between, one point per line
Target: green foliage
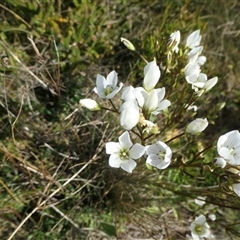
110 230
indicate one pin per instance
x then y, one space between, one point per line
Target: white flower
194 39
123 153
90 104
129 116
107 88
199 228
128 93
203 83
159 155
236 188
174 40
194 56
228 147
131 93
151 75
194 53
149 127
201 60
200 200
196 126
192 71
154 102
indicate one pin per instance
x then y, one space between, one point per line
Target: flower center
124 154
161 154
231 151
198 229
108 89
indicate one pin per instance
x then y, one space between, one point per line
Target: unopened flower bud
174 41
197 126
128 44
90 104
212 216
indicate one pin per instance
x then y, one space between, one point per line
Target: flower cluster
199 81
146 99
140 106
139 103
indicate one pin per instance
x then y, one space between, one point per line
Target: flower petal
113 147
136 151
141 95
101 83
211 83
129 165
161 93
128 94
161 106
201 60
129 118
151 75
129 104
220 162
226 154
191 69
200 220
152 101
112 79
194 53
152 149
115 161
236 188
115 91
155 161
125 141
194 39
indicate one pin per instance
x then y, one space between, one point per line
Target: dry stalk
44 85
